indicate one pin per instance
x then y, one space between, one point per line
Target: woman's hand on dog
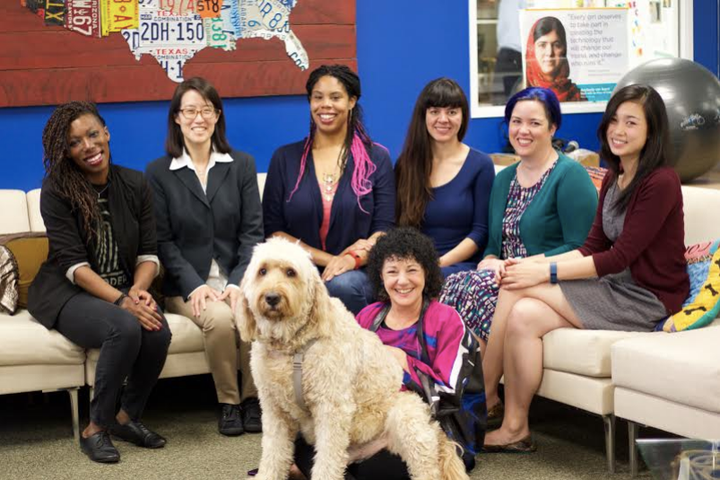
338 265
400 356
198 299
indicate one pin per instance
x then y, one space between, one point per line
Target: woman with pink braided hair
334 191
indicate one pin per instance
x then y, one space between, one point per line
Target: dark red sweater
652 241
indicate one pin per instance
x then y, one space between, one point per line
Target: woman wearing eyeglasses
209 218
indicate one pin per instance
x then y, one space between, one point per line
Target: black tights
126 350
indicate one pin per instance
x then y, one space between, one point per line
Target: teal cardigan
559 217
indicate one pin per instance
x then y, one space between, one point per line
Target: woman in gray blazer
209 218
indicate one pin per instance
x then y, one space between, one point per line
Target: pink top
327 200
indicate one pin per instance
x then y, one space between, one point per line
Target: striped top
444 331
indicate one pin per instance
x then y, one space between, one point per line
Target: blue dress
459 210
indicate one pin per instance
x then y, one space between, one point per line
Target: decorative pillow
8 281
30 250
703 303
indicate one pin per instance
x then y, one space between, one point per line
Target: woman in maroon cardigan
629 274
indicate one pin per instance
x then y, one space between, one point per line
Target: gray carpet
36 442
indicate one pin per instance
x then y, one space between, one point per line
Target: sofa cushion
23 341
186 336
33 205
683 367
583 352
30 250
9 278
703 302
14 213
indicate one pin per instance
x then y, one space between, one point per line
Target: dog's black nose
272 299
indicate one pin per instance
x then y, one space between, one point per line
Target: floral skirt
474 295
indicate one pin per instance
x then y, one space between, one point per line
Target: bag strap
421 333
380 318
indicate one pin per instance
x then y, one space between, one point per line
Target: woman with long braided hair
333 191
93 286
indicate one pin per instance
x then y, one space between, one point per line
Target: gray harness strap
297 374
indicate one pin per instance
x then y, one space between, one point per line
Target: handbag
463 414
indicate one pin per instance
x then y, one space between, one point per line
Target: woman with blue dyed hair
542 205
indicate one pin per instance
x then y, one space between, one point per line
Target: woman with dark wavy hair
628 275
93 288
334 191
443 186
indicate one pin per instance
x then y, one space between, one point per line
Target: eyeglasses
190 113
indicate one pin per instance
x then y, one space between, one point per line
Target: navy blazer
194 227
302 215
133 224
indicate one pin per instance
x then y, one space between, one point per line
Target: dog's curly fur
350 382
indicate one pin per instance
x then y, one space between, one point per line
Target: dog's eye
290 272
262 271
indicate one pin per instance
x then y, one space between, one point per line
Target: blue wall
402 44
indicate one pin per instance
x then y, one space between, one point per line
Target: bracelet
357 258
120 299
553 273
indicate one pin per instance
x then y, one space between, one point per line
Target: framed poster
499 31
53 51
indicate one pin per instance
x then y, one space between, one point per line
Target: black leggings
381 466
126 350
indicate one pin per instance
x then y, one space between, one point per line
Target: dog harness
297 373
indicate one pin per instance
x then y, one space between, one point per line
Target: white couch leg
632 449
75 412
609 423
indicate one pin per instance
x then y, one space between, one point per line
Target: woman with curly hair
334 191
102 260
443 186
405 274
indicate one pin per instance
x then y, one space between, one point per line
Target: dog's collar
297 373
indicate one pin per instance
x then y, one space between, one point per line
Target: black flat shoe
251 415
137 433
230 422
99 448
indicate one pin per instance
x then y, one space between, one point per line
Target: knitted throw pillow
703 303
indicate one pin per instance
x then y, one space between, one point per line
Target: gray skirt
613 302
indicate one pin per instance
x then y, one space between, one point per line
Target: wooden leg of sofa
609 423
632 449
75 412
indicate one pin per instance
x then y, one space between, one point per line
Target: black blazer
193 228
133 224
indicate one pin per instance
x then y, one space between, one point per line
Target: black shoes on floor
230 422
237 419
99 448
251 415
137 433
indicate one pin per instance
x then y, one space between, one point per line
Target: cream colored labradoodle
350 383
